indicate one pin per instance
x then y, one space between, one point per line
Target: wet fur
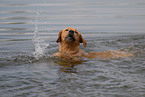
70 49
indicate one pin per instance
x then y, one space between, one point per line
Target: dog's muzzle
71 33
70 36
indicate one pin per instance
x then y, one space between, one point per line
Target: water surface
29 29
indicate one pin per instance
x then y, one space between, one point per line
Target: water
40 45
29 29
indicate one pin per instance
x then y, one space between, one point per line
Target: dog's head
71 35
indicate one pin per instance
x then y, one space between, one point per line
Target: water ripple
105 25
26 5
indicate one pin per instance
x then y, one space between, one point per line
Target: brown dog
69 40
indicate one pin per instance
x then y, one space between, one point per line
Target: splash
39 43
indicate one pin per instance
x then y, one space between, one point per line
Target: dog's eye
66 30
76 32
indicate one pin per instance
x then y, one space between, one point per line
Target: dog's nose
71 32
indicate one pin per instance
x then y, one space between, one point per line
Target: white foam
39 43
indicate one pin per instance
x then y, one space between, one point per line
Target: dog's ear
82 40
59 37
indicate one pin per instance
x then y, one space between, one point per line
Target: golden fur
69 47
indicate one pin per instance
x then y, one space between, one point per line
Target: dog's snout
71 32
